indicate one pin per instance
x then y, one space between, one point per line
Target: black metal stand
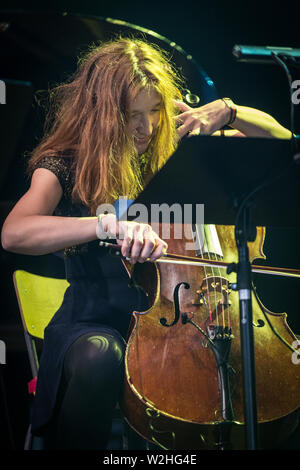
244 232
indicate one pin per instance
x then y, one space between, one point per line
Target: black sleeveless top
99 295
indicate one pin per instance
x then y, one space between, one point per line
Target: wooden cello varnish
172 391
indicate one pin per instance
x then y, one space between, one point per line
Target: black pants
89 390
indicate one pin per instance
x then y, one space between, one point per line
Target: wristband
100 232
229 103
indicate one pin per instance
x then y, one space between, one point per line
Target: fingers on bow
141 243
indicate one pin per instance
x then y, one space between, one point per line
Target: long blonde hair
90 113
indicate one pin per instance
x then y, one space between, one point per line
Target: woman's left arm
210 118
255 123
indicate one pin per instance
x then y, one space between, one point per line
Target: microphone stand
245 232
243 235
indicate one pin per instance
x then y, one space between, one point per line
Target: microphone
263 54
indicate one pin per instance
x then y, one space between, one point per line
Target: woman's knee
98 354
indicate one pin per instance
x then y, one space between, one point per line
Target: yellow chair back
39 298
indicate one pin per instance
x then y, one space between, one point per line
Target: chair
38 298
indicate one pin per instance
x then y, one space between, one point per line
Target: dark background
208 31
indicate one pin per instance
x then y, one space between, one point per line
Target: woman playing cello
116 122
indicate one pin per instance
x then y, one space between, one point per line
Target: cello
183 384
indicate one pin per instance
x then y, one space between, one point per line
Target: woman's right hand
138 241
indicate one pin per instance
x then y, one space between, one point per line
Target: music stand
244 182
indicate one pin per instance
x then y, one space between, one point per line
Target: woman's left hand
203 120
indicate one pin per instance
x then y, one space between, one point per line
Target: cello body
173 389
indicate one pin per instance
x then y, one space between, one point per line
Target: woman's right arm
31 229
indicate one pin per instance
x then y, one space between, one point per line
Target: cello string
206 250
200 246
224 288
209 250
216 256
214 284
